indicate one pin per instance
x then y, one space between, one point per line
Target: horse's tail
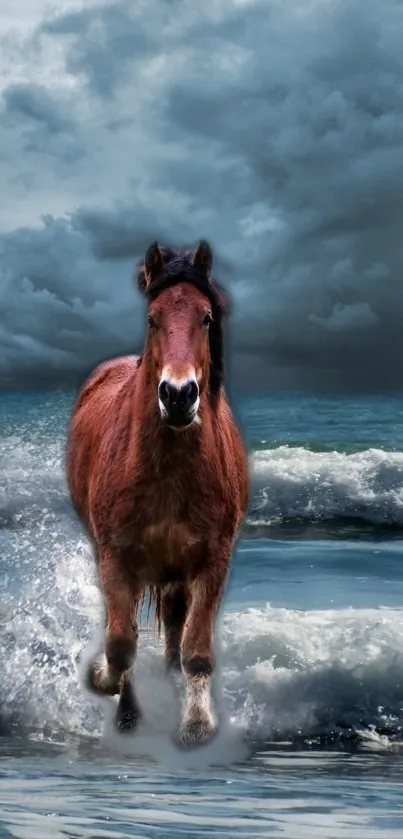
154 599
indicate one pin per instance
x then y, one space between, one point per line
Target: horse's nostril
163 393
191 392
176 398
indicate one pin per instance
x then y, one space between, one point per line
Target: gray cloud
59 317
274 131
33 102
107 39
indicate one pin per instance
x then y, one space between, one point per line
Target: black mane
178 268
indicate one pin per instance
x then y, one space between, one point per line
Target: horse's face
178 341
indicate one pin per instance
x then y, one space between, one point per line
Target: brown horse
157 471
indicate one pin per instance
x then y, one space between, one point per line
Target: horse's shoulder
114 369
110 374
104 384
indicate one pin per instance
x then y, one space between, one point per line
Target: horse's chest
170 539
179 496
171 523
167 518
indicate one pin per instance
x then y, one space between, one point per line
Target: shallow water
310 644
273 793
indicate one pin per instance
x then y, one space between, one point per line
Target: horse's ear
203 258
153 264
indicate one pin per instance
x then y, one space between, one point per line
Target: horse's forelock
178 267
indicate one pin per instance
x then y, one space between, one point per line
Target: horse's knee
120 652
198 665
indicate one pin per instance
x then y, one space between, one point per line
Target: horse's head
184 342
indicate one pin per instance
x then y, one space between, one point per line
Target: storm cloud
273 130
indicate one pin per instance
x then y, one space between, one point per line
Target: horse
157 472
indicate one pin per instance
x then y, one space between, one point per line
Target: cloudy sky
273 129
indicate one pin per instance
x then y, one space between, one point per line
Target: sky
272 129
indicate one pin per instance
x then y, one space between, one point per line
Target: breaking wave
296 483
284 675
289 484
312 677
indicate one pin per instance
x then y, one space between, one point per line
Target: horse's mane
178 268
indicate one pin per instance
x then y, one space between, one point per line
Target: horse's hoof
127 714
197 733
126 722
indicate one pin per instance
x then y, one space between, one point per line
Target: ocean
309 684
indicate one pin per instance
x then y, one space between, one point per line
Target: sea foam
294 482
287 483
283 674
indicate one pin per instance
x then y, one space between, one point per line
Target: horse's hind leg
197 726
110 673
173 612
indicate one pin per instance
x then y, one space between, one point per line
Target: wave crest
295 483
314 676
289 484
311 677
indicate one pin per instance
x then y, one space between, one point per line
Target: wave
316 676
284 675
311 677
291 487
296 484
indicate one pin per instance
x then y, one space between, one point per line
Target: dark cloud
122 234
274 130
108 39
61 313
33 102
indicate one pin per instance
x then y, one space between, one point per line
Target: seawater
310 666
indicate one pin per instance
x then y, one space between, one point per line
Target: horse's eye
151 322
207 320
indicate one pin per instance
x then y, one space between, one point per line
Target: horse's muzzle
178 402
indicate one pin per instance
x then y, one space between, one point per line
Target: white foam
283 674
295 482
287 482
287 672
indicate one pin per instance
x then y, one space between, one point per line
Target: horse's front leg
110 673
174 604
197 653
